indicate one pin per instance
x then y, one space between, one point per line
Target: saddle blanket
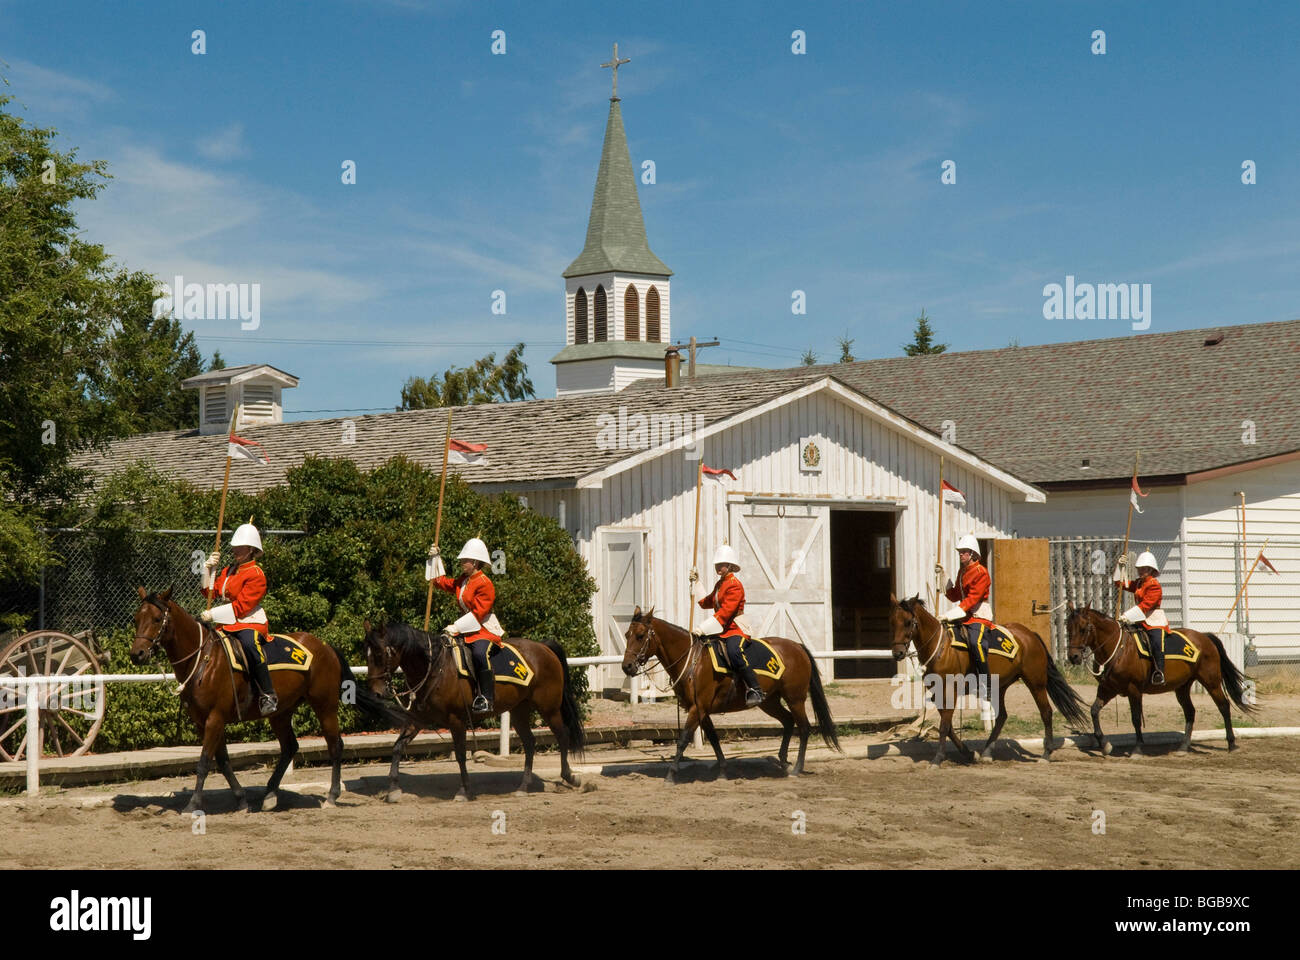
508 664
1175 644
757 654
997 639
282 653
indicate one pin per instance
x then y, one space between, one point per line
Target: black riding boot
979 664
1157 658
753 692
268 703
483 702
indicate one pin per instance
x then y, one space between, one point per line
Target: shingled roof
1039 412
1035 412
529 442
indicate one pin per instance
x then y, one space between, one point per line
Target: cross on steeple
614 64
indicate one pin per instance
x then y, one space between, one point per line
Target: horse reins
1119 644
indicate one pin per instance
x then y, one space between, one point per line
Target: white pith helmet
247 536
726 554
969 542
1147 559
475 549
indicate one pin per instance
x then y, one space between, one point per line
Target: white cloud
48 91
224 144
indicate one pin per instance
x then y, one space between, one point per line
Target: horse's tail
1067 702
1233 679
372 705
821 709
570 713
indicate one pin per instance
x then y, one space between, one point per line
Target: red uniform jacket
727 601
1146 593
476 595
244 589
971 589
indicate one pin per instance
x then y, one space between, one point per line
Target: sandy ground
1208 808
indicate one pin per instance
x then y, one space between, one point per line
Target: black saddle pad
1174 644
995 639
281 652
757 654
507 663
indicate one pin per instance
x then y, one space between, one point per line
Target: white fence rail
31 686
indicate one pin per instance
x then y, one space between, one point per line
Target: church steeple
618 312
616 237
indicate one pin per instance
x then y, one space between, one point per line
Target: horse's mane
911 603
406 639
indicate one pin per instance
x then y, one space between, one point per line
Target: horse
913 623
1122 670
439 697
703 694
212 691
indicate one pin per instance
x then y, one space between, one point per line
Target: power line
322 341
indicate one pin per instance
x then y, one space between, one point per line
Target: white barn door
622 589
785 566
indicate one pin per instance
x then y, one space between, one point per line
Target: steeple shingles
616 239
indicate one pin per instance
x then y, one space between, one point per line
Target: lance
695 545
437 526
225 485
938 543
1119 594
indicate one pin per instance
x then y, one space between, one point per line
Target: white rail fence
31 687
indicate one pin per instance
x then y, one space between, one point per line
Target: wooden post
225 485
437 524
1119 593
1245 596
938 544
1243 586
695 545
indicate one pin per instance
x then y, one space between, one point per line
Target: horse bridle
391 671
938 639
162 627
1094 633
641 661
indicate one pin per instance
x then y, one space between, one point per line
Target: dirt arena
1208 808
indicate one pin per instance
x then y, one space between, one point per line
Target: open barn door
785 565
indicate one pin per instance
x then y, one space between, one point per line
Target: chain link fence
1200 579
92 585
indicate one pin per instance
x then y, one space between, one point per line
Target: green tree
146 359
923 339
809 359
486 381
846 348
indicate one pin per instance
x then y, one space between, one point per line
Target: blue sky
775 172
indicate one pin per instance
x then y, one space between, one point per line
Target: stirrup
1158 678
269 703
480 705
753 697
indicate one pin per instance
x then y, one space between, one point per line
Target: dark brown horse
210 689
440 697
1121 670
948 667
703 693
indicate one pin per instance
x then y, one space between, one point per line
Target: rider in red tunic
727 601
1146 616
971 595
478 625
243 584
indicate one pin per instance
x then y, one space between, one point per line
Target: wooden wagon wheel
70 712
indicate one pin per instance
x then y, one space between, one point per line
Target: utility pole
694 345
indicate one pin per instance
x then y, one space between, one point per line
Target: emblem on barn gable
810 455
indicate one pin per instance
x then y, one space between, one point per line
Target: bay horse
210 689
703 693
914 624
440 697
1123 671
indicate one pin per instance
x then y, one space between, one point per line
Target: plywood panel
1021 578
